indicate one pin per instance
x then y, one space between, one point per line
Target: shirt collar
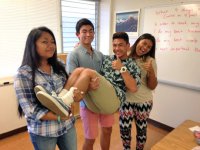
45 72
84 49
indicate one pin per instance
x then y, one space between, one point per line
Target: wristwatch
123 69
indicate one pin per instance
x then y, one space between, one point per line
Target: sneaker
62 93
39 88
68 96
53 103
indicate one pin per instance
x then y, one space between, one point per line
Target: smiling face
45 46
86 35
120 48
143 47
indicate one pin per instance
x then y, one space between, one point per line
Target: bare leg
80 78
73 77
105 137
88 144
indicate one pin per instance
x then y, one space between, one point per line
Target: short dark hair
82 22
121 35
153 48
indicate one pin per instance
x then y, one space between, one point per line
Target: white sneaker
53 103
62 93
68 97
38 88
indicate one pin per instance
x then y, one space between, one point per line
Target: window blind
72 11
17 18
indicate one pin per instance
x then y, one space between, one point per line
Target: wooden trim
13 132
62 56
160 125
77 116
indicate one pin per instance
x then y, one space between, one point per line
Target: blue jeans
66 141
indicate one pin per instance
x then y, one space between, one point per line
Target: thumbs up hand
148 66
117 64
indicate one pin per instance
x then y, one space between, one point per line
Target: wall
9 119
104 26
172 104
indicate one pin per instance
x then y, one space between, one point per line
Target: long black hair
152 50
32 58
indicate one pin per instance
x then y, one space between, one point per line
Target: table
181 138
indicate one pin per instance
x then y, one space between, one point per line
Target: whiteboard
177 32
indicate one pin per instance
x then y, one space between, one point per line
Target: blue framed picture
127 21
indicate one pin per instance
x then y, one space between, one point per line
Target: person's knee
79 70
89 72
90 141
107 130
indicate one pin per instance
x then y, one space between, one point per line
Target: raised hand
148 66
117 64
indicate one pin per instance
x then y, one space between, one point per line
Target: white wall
9 119
104 26
172 105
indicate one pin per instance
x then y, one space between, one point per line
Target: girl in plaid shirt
41 67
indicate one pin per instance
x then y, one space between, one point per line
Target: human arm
94 84
150 67
26 96
129 80
52 116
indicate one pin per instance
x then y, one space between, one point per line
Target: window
19 17
72 11
17 20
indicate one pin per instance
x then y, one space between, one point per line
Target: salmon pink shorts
91 122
